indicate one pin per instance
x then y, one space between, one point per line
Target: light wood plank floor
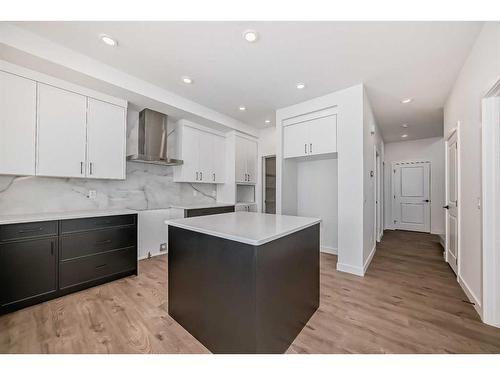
408 302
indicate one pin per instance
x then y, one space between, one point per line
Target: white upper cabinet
17 124
246 160
203 156
61 132
313 137
106 134
49 127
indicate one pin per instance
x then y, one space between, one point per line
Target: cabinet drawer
28 230
208 211
78 225
78 271
93 242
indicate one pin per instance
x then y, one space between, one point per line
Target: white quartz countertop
27 218
200 205
251 228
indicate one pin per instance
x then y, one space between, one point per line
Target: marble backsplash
146 187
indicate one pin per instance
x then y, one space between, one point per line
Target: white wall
349 106
428 149
372 140
479 73
319 199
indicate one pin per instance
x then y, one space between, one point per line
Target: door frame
459 195
393 189
378 222
490 142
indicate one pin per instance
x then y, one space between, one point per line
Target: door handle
201 176
52 248
196 176
81 167
310 148
426 200
214 176
91 167
305 148
447 206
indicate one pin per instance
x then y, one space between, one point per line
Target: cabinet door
190 155
17 125
105 140
218 159
61 132
241 159
27 269
251 161
205 164
295 140
322 135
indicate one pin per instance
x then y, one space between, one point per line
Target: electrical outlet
92 194
163 247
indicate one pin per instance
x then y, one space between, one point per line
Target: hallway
408 302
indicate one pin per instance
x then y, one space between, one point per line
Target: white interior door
452 202
105 140
251 161
411 196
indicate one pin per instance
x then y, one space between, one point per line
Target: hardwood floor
408 302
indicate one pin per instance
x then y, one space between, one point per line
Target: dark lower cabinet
192 212
45 260
28 270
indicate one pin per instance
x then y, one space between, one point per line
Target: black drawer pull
103 242
29 230
101 266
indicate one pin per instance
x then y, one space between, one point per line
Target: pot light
404 136
404 125
250 36
406 100
108 40
187 80
301 85
242 108
267 121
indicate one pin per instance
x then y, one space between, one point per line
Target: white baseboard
369 259
355 270
328 250
471 296
442 240
142 257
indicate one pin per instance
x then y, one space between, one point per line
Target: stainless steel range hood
153 140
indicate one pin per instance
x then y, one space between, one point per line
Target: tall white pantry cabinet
52 128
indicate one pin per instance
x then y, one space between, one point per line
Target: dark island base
239 298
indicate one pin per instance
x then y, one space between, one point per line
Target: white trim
328 250
490 207
442 240
155 254
369 259
59 83
470 295
355 270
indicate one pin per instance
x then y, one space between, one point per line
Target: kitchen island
243 282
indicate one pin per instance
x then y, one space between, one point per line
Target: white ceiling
393 59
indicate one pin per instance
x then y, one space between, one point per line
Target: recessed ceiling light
267 121
406 100
404 136
242 108
301 85
250 36
404 125
108 40
187 80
